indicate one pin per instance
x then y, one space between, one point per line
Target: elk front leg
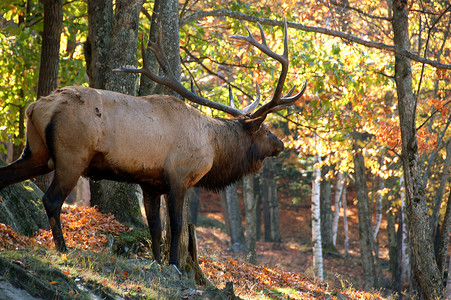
151 202
175 208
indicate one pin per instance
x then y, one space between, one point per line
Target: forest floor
295 254
90 269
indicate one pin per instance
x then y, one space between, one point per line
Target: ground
294 254
91 268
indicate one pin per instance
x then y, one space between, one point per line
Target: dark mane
235 157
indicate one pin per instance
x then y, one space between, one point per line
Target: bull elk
156 141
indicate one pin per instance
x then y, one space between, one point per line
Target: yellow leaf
64 256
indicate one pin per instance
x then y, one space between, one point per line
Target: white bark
345 221
316 222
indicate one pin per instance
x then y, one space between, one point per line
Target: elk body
159 142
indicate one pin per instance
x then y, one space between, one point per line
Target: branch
335 33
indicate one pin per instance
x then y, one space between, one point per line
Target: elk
159 142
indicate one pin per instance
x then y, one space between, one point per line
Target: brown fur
157 141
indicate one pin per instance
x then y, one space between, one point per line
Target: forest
366 160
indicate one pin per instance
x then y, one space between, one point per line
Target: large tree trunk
49 64
425 266
120 199
316 222
365 237
51 37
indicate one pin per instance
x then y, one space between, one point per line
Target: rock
21 207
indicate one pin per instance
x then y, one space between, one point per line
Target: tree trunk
378 219
345 221
97 46
270 202
234 217
251 218
405 245
448 281
441 190
364 217
193 204
118 198
393 249
339 188
49 64
51 37
316 221
326 209
444 240
425 266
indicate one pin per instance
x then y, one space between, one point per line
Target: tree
232 215
270 202
425 266
316 221
49 65
112 42
365 236
251 218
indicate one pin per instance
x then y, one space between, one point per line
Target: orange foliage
84 227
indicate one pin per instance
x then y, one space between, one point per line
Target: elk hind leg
151 201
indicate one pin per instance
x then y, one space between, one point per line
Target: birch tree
316 220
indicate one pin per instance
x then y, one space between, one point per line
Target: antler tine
251 107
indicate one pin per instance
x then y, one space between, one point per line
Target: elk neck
235 155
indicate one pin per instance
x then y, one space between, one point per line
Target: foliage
21 26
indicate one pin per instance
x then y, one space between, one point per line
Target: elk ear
254 124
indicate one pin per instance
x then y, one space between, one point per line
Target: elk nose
278 148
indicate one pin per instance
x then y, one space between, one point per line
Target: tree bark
51 37
251 219
120 35
405 245
316 222
49 64
339 188
326 209
425 266
236 228
364 217
270 202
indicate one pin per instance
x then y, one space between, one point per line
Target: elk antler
277 102
171 82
